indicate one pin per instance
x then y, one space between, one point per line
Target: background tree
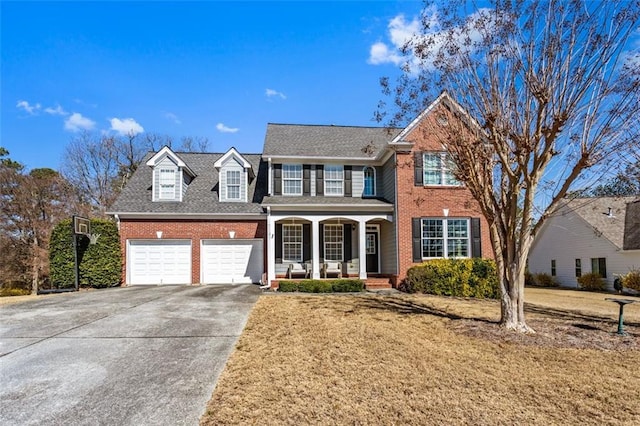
99 166
30 204
623 184
546 91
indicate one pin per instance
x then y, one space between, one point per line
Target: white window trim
290 225
341 180
238 185
160 184
300 179
324 240
364 181
444 156
445 237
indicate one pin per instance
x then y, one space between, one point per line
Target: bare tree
539 92
30 206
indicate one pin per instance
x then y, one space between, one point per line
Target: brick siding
194 230
429 201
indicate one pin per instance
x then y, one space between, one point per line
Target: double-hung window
445 238
333 180
369 182
292 243
233 184
167 184
333 242
437 169
292 179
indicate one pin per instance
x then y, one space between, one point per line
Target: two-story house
320 201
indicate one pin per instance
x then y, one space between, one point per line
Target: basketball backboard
81 226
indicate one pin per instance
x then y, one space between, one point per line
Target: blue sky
220 70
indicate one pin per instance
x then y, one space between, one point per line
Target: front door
372 247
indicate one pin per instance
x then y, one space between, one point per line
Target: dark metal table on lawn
621 302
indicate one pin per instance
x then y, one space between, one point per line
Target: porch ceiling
282 203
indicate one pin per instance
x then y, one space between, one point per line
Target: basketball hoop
93 238
81 226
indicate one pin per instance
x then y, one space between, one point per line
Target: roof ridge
332 125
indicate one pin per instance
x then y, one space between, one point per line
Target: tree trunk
35 268
512 297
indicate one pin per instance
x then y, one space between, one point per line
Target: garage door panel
159 262
231 261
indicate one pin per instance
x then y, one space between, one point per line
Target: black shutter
278 243
306 242
277 179
347 242
347 181
416 239
417 169
306 179
319 180
321 242
476 241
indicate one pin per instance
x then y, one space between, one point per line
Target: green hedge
454 277
100 264
543 280
322 286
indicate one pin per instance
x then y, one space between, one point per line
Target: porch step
377 283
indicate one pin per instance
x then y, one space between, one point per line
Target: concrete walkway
126 356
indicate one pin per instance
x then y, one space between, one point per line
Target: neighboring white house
585 235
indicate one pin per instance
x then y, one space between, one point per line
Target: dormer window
233 184
167 182
171 176
235 174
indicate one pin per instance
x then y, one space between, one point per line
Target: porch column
315 249
362 248
271 249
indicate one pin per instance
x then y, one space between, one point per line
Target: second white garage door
231 261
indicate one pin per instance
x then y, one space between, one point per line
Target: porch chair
332 268
297 269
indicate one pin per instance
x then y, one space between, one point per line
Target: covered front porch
320 246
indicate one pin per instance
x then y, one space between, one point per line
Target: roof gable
166 152
233 154
445 99
606 215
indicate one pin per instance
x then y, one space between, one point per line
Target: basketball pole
75 253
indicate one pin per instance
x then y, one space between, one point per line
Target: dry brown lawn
401 359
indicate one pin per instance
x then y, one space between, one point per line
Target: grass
363 359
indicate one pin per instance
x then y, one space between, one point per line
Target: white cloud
400 32
126 126
58 110
172 117
224 129
380 54
26 106
271 93
77 122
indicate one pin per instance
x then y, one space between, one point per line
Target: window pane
233 184
578 268
333 176
167 183
369 181
458 247
292 243
432 228
292 179
333 242
432 247
445 238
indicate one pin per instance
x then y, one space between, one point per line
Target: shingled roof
297 140
595 211
201 197
632 226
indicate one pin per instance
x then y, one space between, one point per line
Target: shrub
322 286
592 282
100 264
454 277
347 286
544 280
13 291
632 280
288 286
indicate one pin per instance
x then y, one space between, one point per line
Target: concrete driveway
125 356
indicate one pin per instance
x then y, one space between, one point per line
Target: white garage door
231 261
159 262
